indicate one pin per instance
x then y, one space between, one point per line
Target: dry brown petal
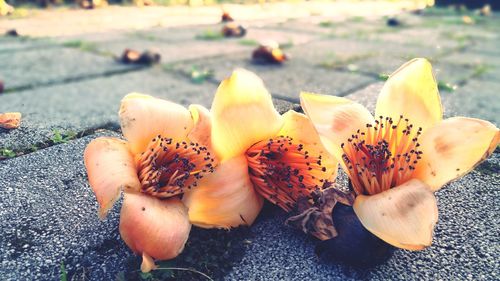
10 120
315 216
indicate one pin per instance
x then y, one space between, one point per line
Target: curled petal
242 114
110 168
148 263
143 117
201 131
403 216
299 127
411 91
153 227
453 148
225 198
335 119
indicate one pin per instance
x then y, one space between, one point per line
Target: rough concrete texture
88 105
48 212
48 65
48 215
286 80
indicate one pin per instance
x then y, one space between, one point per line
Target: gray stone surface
286 80
90 104
48 212
47 65
48 216
479 99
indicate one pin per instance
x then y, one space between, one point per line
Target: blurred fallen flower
485 10
134 57
166 154
92 4
269 53
5 8
468 20
396 162
261 154
226 17
233 29
393 22
12 33
10 120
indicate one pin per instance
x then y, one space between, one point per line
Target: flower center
282 171
166 168
382 156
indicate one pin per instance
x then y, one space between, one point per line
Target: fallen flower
397 161
10 120
269 52
166 154
147 57
261 153
226 17
233 29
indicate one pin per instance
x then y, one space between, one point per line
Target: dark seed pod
232 29
354 245
393 22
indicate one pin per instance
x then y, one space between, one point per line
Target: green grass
326 23
198 75
64 274
58 137
7 153
446 87
248 42
85 47
479 70
210 35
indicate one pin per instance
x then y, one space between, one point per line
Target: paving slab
286 80
465 245
48 215
90 104
479 99
12 44
449 73
48 65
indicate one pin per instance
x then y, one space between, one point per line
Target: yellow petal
148 263
110 168
201 132
411 91
403 216
153 227
143 117
225 198
300 129
453 148
242 114
335 119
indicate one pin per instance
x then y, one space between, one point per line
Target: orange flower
166 154
261 153
397 160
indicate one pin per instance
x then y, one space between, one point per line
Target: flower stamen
282 171
167 168
382 156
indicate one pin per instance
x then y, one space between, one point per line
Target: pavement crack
9 154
